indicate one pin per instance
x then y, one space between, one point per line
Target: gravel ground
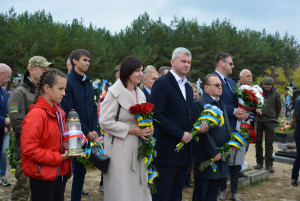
276 188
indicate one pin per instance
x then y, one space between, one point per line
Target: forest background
27 34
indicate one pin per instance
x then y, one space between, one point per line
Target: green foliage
27 34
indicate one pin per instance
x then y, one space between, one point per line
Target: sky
281 16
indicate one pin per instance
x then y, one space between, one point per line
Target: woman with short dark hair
126 178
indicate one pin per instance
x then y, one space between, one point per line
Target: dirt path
276 188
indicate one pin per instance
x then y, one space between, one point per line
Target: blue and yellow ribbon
235 144
211 118
239 138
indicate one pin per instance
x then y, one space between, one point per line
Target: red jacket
41 142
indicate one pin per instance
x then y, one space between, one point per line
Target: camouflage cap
39 61
268 81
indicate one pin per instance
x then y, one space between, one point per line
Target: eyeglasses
216 85
230 63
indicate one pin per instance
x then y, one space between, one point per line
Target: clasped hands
241 114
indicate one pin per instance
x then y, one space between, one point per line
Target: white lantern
73 136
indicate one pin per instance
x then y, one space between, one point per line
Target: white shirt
181 83
84 77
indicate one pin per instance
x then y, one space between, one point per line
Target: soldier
265 123
18 105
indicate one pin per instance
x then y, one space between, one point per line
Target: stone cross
273 75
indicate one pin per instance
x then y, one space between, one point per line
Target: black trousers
170 183
234 179
206 190
42 190
296 166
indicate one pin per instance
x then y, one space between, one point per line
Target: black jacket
174 115
206 148
80 96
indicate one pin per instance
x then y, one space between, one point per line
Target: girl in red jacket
44 159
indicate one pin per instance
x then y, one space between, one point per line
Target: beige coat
126 179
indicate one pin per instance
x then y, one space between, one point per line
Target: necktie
227 84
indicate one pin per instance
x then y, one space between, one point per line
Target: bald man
246 77
5 76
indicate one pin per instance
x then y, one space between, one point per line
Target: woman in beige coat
126 178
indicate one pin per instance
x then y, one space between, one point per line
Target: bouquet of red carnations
250 97
212 115
146 152
252 134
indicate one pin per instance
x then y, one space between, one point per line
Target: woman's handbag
100 160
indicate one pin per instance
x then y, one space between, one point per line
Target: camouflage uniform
266 123
18 106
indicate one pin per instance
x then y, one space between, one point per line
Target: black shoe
241 174
258 166
83 192
188 182
294 183
270 169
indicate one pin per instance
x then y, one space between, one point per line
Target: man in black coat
173 100
207 182
296 166
80 96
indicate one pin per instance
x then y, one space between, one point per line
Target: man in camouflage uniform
18 106
265 123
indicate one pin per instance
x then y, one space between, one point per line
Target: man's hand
92 136
204 127
187 137
243 116
217 157
7 121
5 130
258 111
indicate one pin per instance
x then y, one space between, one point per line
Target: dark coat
174 115
147 95
80 96
206 148
230 100
272 106
297 118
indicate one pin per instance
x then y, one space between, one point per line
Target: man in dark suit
5 76
223 68
207 182
173 100
296 166
149 77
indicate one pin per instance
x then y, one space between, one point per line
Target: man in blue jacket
80 96
173 100
223 68
5 76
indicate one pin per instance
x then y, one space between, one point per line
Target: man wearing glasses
223 68
265 123
207 183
